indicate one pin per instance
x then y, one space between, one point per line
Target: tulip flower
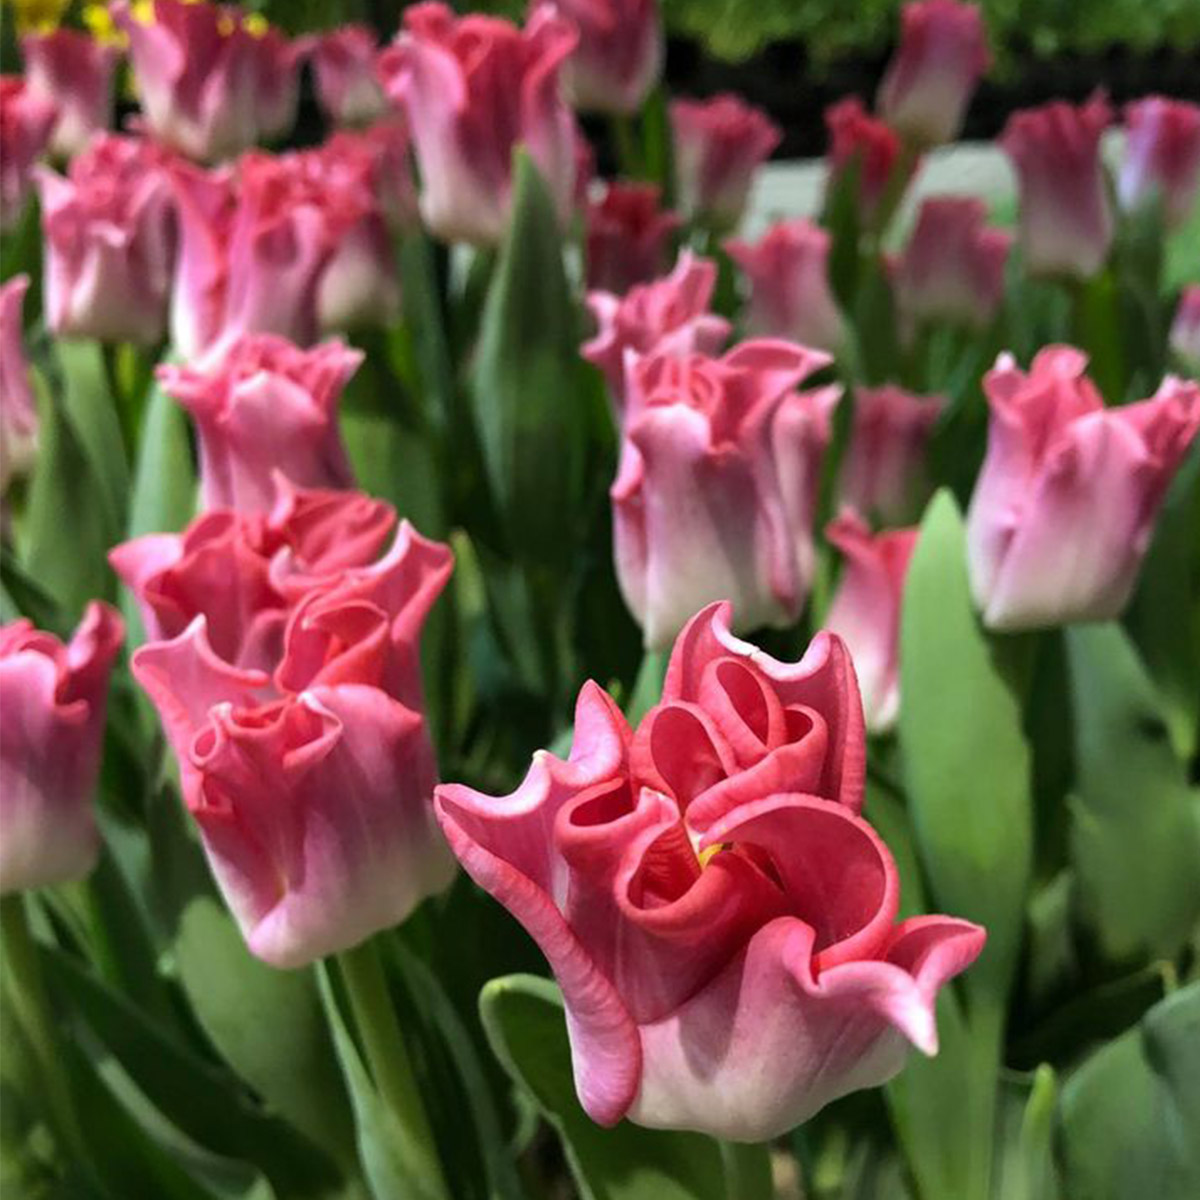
883 472
790 294
1162 156
865 612
628 237
860 142
1066 221
74 71
53 698
619 57
669 316
719 146
929 82
18 412
343 62
26 123
717 487
1065 505
211 81
285 244
110 242
1185 329
310 773
952 269
266 406
475 88
720 919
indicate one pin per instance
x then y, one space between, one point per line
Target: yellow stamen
710 852
38 16
256 25
101 26
142 11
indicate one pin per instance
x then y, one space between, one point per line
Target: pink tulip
211 81
1065 506
717 487
1162 156
343 62
75 73
26 122
241 571
883 472
952 270
669 316
285 244
266 406
858 141
628 237
928 84
310 773
475 88
619 57
109 241
1066 221
719 146
865 612
1185 329
721 921
790 295
53 698
18 412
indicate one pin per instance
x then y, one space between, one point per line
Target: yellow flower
100 25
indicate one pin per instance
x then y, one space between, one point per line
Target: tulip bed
513 687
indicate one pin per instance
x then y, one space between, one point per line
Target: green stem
986 1025
747 1171
387 1056
27 993
629 159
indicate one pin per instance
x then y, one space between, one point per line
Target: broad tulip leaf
966 761
67 527
1129 1116
1135 843
267 1024
164 484
524 1020
526 386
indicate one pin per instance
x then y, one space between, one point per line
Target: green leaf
966 762
524 1020
527 382
267 1024
206 1103
68 527
1135 843
1025 1168
164 484
1129 1115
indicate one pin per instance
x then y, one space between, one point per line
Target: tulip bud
928 84
669 316
266 406
26 122
53 698
110 242
619 57
865 612
305 757
1066 221
475 88
717 487
628 237
883 473
719 146
75 73
952 270
343 62
18 412
790 293
1063 473
720 919
1162 156
858 141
